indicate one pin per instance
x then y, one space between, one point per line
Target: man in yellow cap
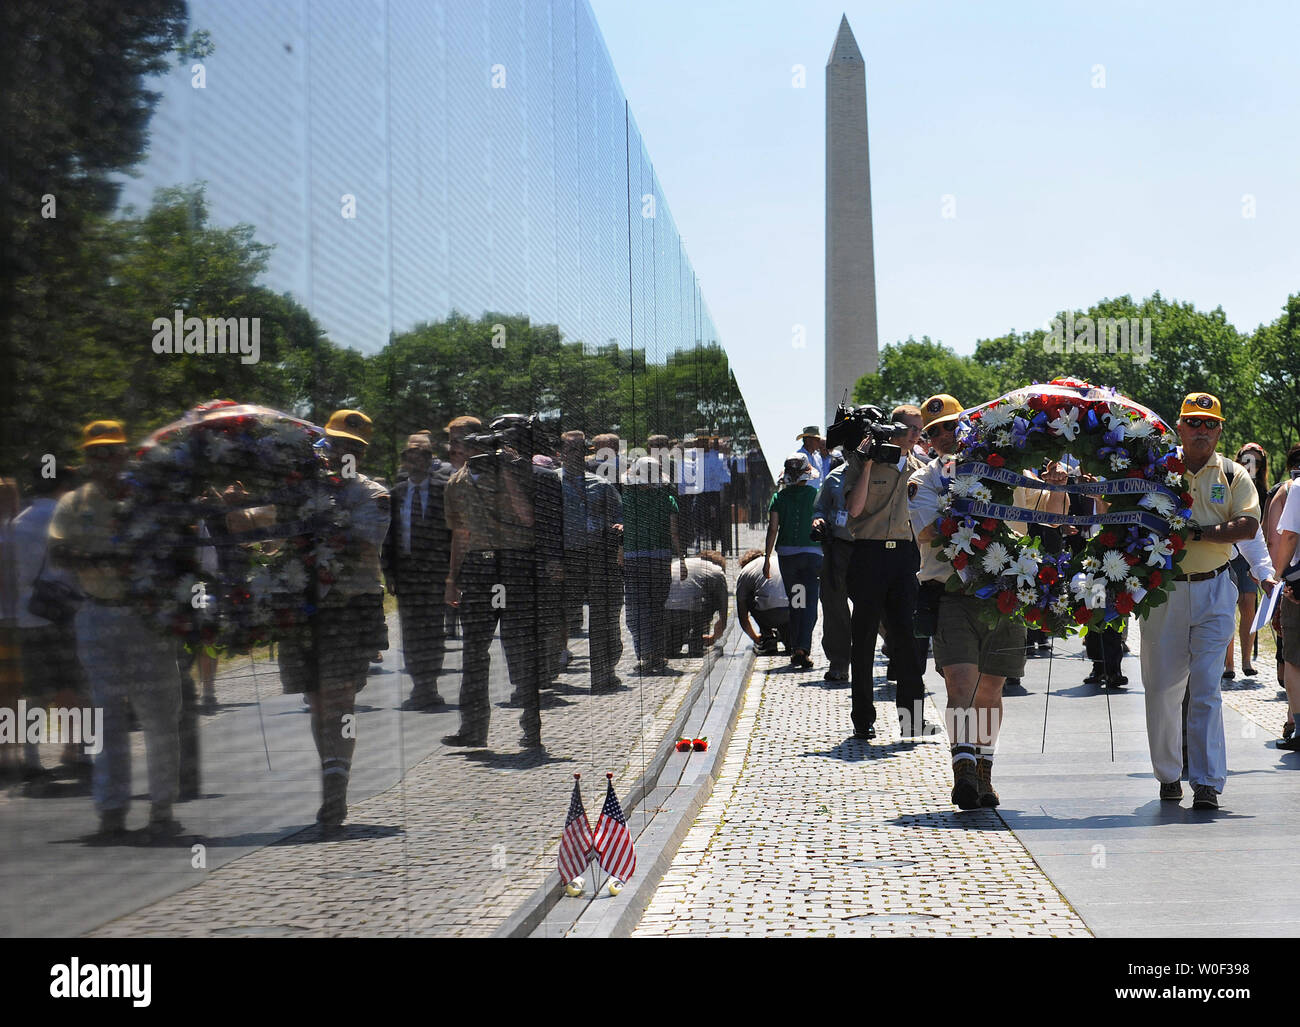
128 665
975 659
331 660
1184 639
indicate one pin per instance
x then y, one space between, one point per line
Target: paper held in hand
1264 613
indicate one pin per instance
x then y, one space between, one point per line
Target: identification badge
1218 493
841 518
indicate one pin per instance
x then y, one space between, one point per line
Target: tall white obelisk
851 344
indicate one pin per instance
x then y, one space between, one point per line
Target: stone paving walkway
811 833
459 843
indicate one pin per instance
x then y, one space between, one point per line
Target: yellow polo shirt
1214 501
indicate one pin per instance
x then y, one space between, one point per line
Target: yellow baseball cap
350 424
103 433
940 408
1201 404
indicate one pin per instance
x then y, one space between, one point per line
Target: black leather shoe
1097 676
530 742
866 735
1115 681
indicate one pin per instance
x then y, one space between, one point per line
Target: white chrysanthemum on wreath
996 417
1158 502
1061 606
1090 564
1027 595
961 485
1118 461
950 552
1114 566
1173 479
1002 439
1132 584
1141 428
981 494
996 558
1178 519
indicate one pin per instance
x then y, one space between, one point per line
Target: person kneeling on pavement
766 600
692 603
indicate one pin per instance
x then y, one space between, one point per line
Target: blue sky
1065 192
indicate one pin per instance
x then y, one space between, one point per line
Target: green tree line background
1256 375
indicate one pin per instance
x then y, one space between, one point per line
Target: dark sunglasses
947 426
1201 422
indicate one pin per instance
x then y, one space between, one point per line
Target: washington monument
851 346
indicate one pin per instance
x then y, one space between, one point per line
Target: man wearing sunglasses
975 659
1184 639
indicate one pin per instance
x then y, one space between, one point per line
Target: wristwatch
1197 533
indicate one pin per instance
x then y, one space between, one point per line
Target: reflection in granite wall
426 210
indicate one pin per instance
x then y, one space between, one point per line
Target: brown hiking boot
965 784
984 774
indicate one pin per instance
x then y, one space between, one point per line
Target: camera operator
974 658
882 564
506 519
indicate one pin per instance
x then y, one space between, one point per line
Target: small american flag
613 841
576 843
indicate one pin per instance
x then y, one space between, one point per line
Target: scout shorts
963 637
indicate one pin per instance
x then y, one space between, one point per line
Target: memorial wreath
256 481
1125 453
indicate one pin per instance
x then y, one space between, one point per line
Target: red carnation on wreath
1155 580
1124 603
1007 601
995 460
1082 615
1176 542
1047 574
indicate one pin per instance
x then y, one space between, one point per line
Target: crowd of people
511 527
856 533
507 525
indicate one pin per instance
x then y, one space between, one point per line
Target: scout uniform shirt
926 489
362 506
885 515
85 520
480 502
1214 501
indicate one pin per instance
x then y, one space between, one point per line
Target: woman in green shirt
789 529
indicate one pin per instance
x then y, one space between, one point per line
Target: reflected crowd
239 529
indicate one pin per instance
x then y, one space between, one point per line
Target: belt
1204 575
887 543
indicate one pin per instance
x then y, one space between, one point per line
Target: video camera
853 424
526 436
